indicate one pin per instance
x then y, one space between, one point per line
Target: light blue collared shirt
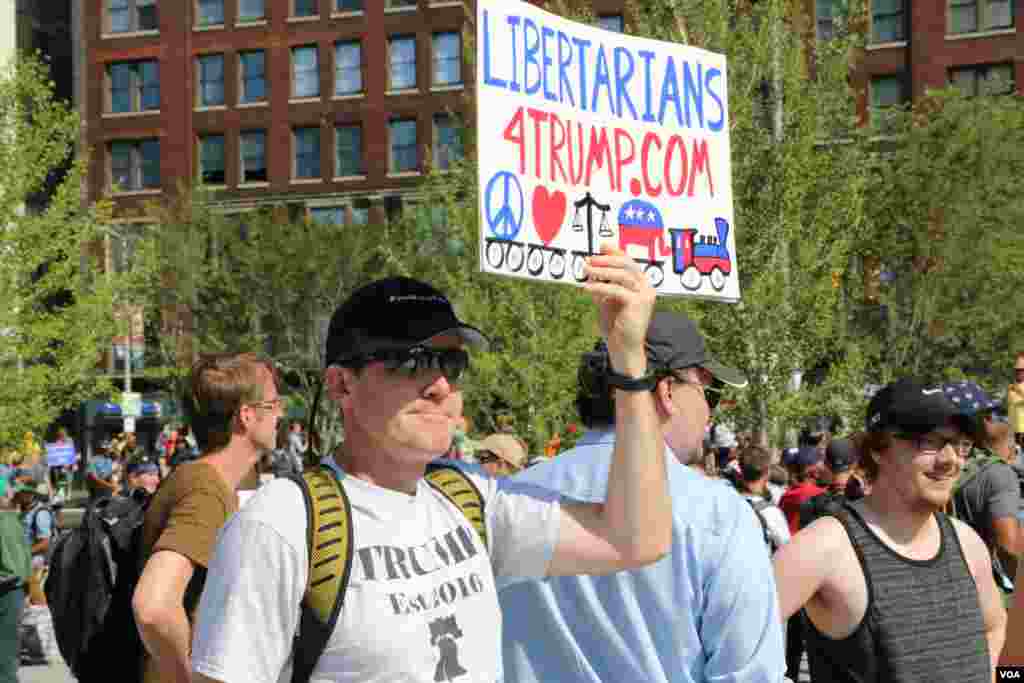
706 612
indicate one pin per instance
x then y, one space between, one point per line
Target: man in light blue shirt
707 612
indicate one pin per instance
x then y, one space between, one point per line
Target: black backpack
93 573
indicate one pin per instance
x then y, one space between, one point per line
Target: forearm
996 639
168 640
637 513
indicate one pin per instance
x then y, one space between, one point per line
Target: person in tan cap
501 455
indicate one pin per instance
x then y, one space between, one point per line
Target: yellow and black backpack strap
330 542
460 490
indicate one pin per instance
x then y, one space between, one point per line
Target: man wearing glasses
233 407
421 604
708 611
894 590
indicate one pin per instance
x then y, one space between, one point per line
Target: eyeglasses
712 391
485 456
270 404
411 362
929 443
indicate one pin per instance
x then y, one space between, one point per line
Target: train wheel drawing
690 278
577 268
535 261
717 279
516 257
556 266
655 274
495 255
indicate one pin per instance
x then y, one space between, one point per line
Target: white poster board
587 136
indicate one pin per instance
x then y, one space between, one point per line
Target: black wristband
624 383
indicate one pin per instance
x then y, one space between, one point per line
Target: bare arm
804 564
1007 533
1013 650
634 525
200 678
990 598
159 610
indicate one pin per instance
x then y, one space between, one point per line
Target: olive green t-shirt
185 516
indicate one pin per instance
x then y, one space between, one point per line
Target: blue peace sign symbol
505 215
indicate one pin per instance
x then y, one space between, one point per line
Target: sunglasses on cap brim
452 363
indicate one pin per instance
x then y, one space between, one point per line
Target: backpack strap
330 542
462 492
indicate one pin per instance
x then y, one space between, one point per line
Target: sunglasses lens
453 362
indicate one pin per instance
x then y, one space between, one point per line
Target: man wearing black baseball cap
421 603
893 589
710 611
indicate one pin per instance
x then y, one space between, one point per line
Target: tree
260 280
945 237
58 307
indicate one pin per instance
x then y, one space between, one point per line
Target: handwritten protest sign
587 136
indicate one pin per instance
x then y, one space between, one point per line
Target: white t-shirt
421 604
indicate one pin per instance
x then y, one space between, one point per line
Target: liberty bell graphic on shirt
443 634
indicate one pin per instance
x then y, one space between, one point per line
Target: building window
253 152
447 142
135 165
969 16
327 215
987 79
134 86
824 13
306 143
404 158
610 22
305 72
127 16
252 76
210 70
348 5
399 4
210 12
886 94
348 151
252 10
447 58
211 159
348 68
304 8
360 215
887 21
402 55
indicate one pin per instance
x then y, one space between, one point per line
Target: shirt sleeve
741 628
249 611
194 522
522 526
1002 488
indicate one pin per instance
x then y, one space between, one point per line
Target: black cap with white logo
393 314
913 407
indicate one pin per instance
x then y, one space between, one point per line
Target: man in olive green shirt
15 568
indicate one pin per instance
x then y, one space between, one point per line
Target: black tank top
922 623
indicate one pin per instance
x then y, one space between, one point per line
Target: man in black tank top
892 589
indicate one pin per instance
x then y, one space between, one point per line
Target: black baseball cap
840 455
393 314
911 406
674 342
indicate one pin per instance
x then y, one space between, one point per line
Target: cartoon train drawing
707 257
693 257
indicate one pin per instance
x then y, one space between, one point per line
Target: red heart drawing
548 213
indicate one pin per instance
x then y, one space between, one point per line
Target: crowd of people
649 551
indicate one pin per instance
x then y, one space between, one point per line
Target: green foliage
945 224
57 313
